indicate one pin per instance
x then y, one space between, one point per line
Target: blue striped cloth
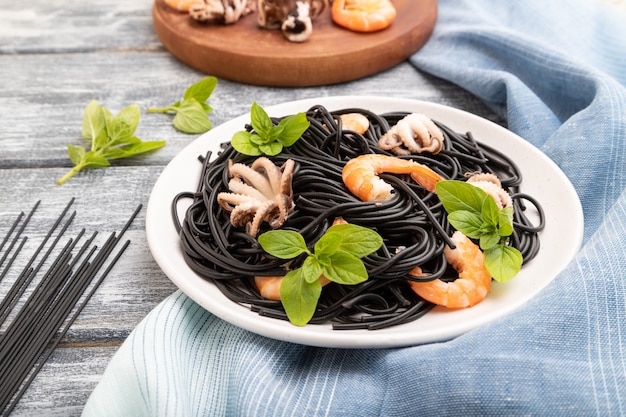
556 71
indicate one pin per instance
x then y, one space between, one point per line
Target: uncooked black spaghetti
413 223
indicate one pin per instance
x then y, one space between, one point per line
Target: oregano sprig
266 137
192 112
337 256
475 214
110 137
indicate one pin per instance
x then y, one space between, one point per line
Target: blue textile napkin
556 70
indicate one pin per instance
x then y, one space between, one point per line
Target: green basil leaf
271 149
328 243
94 124
275 133
312 269
505 221
257 139
299 297
357 240
76 153
490 212
206 107
283 244
270 139
111 138
91 160
467 222
489 240
201 90
459 195
292 128
124 124
503 262
108 120
345 269
129 141
260 121
191 117
133 149
241 142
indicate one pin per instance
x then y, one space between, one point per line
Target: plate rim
322 335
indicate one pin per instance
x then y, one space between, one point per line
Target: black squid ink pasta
412 223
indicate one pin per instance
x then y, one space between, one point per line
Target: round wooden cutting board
246 53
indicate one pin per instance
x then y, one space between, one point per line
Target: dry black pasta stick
38 327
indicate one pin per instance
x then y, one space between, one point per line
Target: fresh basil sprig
267 138
475 214
336 256
192 111
110 137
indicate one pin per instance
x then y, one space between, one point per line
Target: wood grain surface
245 52
57 55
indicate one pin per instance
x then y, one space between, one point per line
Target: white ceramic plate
542 179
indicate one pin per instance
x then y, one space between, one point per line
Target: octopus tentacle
415 133
258 193
271 171
252 177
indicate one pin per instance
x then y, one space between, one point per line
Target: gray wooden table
56 56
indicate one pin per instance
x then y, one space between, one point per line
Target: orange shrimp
363 15
181 5
269 286
355 122
360 175
472 285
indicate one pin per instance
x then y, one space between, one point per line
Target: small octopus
491 184
220 11
293 17
415 133
261 192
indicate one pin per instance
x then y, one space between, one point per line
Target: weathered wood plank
39 26
43 98
105 199
65 382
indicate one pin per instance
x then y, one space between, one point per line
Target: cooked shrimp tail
269 286
360 175
363 15
355 122
181 5
472 285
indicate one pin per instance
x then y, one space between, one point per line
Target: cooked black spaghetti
413 223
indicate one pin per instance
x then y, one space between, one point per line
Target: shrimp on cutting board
472 285
181 5
363 15
360 175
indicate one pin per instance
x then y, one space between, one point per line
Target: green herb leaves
111 137
192 111
336 256
267 138
475 214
